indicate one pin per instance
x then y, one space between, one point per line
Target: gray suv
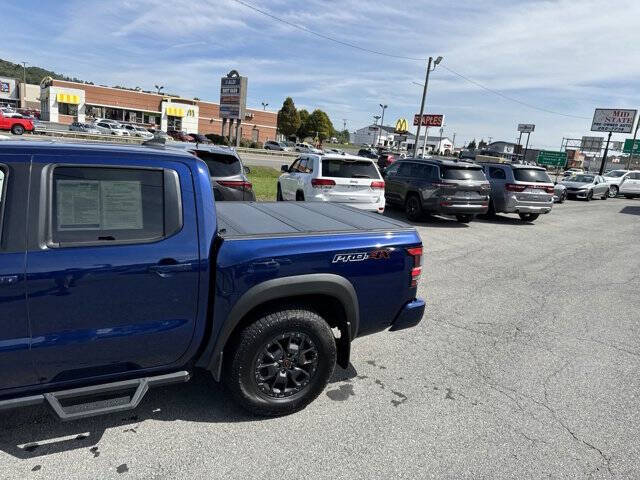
523 189
434 185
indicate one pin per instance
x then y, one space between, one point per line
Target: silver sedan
586 186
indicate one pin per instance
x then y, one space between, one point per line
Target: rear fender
286 288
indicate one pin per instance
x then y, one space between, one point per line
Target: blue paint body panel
89 314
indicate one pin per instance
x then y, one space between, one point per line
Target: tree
343 136
482 144
319 123
288 118
472 145
303 132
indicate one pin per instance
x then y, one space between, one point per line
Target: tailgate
353 190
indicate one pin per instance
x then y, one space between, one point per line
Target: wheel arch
332 296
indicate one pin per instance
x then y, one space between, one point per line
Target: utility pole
440 141
604 156
453 143
524 157
633 144
344 124
384 107
490 138
424 96
23 94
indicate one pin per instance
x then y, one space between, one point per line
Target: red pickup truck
17 125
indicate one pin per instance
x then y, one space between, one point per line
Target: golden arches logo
401 125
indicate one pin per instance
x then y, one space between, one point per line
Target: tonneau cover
237 219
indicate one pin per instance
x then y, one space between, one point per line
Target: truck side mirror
247 170
284 168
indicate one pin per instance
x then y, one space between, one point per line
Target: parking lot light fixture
430 68
384 107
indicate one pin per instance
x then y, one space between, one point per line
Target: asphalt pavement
526 365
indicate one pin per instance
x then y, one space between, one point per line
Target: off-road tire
241 360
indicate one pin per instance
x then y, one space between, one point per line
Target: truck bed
248 219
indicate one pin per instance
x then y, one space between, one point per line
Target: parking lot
526 365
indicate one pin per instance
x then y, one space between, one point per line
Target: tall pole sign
233 101
524 128
612 120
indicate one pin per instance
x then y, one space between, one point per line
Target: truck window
454 173
219 164
531 175
332 167
97 205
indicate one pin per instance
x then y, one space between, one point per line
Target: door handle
8 279
168 269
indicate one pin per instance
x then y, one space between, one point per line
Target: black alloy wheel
286 364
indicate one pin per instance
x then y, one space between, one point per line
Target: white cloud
560 55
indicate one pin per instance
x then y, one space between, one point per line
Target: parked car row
425 186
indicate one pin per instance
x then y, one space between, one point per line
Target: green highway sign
555 159
631 147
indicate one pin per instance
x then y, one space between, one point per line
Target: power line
326 37
391 55
496 92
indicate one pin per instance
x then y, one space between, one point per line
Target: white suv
615 179
346 179
630 185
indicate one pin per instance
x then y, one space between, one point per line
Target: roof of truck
21 147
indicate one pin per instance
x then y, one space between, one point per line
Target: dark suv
450 187
228 175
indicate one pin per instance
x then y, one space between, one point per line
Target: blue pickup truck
119 272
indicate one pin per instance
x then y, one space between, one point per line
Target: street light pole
424 96
633 144
264 105
384 107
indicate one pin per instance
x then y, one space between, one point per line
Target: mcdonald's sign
401 126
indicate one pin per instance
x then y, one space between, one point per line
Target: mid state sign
613 120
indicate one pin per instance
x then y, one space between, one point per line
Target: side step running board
92 408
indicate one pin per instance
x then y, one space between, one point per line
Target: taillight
240 184
549 189
416 269
322 183
512 187
377 184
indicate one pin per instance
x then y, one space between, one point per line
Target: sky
563 56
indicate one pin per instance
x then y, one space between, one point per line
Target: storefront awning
175 112
68 98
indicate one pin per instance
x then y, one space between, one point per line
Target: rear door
16 364
497 178
632 184
289 181
112 265
391 183
356 181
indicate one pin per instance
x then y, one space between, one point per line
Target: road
526 365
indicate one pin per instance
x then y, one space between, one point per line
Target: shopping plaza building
66 102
